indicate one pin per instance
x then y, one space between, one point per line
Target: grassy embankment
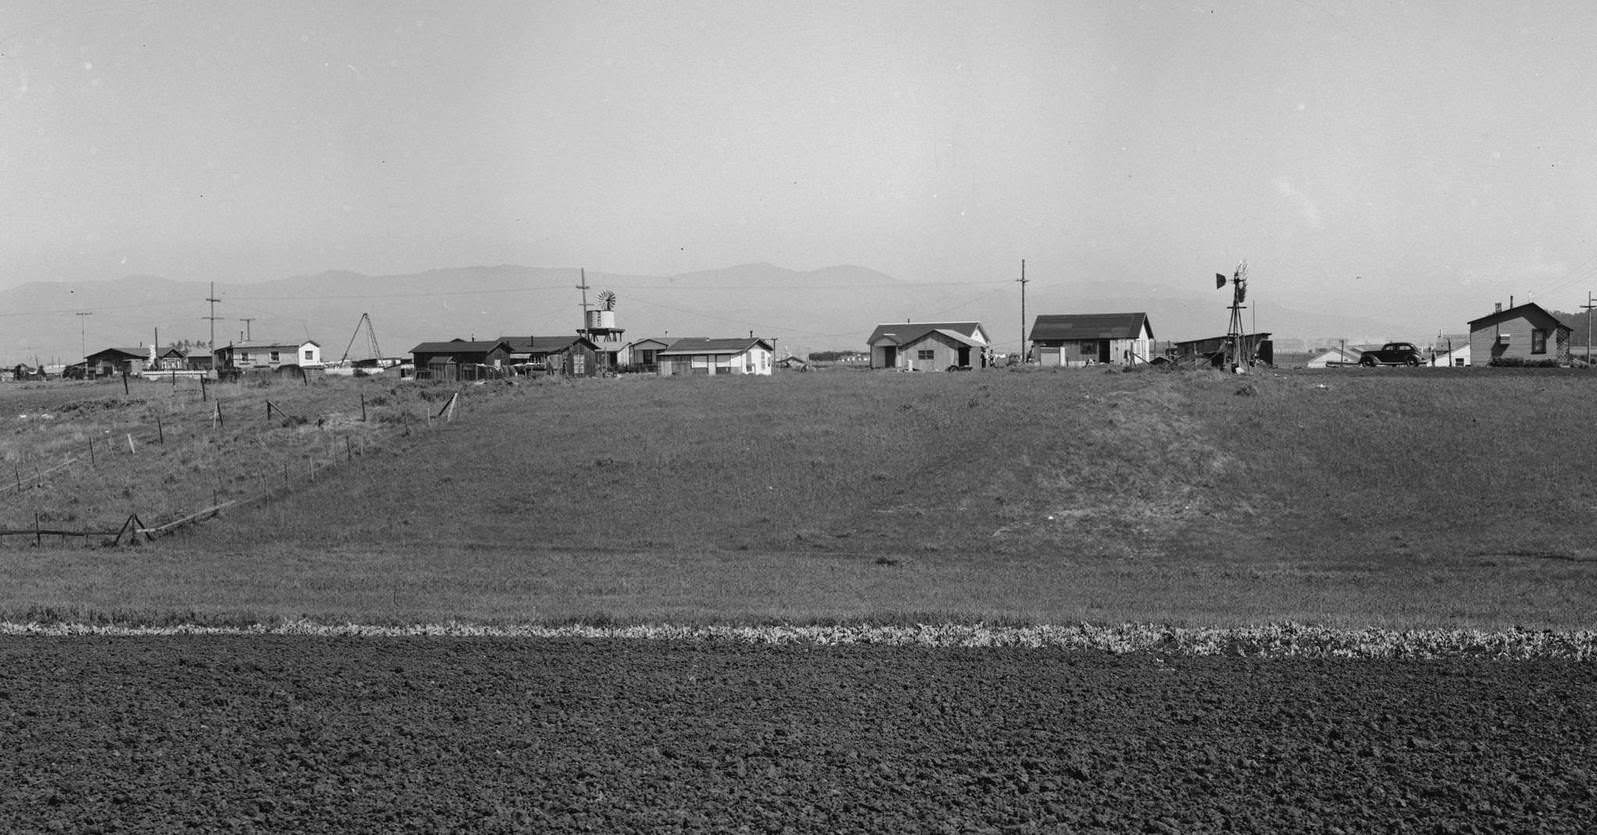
1345 498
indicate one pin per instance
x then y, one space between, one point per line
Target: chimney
1499 308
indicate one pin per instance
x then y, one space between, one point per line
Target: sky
1414 159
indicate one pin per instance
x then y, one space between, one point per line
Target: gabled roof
262 343
545 344
903 333
703 345
951 335
458 346
1531 311
131 353
663 343
1090 326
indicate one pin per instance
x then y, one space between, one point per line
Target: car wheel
1412 361
1367 362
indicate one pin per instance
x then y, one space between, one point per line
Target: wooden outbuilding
1075 339
461 359
567 356
1525 333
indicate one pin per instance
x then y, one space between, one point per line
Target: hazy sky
1370 154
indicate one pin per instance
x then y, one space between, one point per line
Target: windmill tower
600 326
1238 355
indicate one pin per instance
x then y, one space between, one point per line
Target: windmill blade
608 299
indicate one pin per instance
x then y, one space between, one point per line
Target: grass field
1344 498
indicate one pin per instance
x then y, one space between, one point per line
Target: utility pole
583 286
1588 306
247 334
1022 282
213 300
83 339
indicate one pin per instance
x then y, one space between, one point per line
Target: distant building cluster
1516 335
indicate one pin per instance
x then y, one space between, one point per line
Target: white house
261 354
699 355
929 346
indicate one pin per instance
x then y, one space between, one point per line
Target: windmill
601 328
1237 355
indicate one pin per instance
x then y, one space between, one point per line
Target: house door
890 357
964 356
1103 350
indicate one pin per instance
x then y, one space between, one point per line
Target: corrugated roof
703 345
1090 326
903 333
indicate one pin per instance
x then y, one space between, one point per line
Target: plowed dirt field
363 734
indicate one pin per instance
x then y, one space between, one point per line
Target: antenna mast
1022 281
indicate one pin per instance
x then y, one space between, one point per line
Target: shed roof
903 333
1090 326
704 345
458 346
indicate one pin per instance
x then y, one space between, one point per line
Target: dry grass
1346 499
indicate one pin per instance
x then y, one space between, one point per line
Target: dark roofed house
1076 339
928 346
109 362
461 359
1526 333
701 355
569 356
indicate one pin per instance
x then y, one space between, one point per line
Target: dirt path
305 734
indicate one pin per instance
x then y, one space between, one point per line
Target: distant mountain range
831 308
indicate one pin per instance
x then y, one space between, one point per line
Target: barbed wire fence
320 454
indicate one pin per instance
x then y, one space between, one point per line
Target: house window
1089 349
1538 341
308 355
926 354
577 363
275 357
